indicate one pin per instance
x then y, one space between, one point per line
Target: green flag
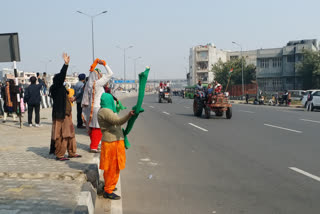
143 77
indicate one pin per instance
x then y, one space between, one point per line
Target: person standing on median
113 155
33 98
79 89
91 103
63 133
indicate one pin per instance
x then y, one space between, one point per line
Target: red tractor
218 103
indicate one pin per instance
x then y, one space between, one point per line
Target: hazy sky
161 31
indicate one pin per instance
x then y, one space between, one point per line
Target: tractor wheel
229 113
197 107
207 112
219 113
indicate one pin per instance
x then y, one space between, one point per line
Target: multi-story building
201 60
276 68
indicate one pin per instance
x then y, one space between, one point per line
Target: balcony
202 70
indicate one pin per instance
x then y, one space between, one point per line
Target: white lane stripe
198 127
312 121
166 113
278 127
305 173
251 112
151 106
187 107
116 205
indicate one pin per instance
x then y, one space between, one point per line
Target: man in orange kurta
113 156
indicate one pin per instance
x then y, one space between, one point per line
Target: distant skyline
162 32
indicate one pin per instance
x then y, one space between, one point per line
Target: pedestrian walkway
31 180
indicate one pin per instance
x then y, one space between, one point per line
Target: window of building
202 65
264 63
277 62
203 55
234 57
299 57
290 58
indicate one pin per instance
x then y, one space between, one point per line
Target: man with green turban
113 156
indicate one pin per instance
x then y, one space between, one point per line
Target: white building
71 80
201 60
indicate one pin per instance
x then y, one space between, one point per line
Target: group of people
217 89
10 93
96 109
164 84
9 98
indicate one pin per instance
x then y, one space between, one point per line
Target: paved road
224 166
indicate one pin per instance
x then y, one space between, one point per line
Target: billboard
9 47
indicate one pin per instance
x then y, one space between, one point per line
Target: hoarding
9 47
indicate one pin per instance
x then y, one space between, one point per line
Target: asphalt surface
241 165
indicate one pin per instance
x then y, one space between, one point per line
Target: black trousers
37 111
79 117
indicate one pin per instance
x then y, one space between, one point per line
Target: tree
309 69
221 71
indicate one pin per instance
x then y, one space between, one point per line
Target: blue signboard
122 81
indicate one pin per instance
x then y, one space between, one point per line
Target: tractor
218 103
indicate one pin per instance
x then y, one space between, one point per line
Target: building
7 72
201 60
71 80
275 67
23 77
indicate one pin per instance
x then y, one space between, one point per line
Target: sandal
62 159
75 156
94 151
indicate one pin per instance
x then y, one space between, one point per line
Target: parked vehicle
315 103
297 94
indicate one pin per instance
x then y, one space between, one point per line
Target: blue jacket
79 90
32 94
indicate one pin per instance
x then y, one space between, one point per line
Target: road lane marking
198 127
251 112
166 113
278 127
151 106
187 107
305 173
312 121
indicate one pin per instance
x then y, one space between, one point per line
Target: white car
315 101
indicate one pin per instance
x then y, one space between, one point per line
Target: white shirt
99 86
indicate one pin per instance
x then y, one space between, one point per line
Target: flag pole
230 72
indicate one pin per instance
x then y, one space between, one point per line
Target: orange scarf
8 97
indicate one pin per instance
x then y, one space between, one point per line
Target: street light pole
92 39
124 60
92 17
241 67
135 69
